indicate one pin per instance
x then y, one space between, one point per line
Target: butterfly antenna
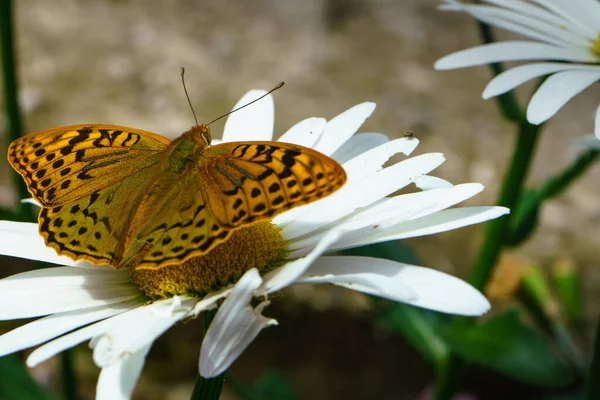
187 95
278 86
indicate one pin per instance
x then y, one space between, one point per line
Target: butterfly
126 197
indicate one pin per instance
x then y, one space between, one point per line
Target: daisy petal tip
536 116
444 63
477 310
32 362
30 201
488 94
472 304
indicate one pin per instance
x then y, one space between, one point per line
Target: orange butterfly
126 197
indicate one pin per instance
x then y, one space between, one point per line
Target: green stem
208 388
9 82
68 375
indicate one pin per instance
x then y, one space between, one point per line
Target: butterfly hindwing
180 227
68 163
92 228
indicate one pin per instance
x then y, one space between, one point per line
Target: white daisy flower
122 312
565 32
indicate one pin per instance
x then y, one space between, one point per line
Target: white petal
529 26
210 300
372 160
392 211
54 290
510 79
117 381
63 276
543 14
72 339
305 133
342 127
360 194
556 91
234 327
254 122
21 239
597 123
584 14
358 144
139 328
287 274
427 288
442 221
389 213
47 328
511 51
30 201
428 182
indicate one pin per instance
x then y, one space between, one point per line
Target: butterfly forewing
68 163
257 180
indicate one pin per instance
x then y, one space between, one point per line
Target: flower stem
9 82
449 370
68 375
208 388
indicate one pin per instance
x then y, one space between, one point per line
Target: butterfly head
201 132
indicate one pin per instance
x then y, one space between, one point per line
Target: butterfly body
125 197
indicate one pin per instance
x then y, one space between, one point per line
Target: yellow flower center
256 246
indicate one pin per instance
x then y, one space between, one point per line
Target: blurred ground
117 61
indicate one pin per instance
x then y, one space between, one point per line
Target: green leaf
16 383
272 385
504 343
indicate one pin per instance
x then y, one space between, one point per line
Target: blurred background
117 62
